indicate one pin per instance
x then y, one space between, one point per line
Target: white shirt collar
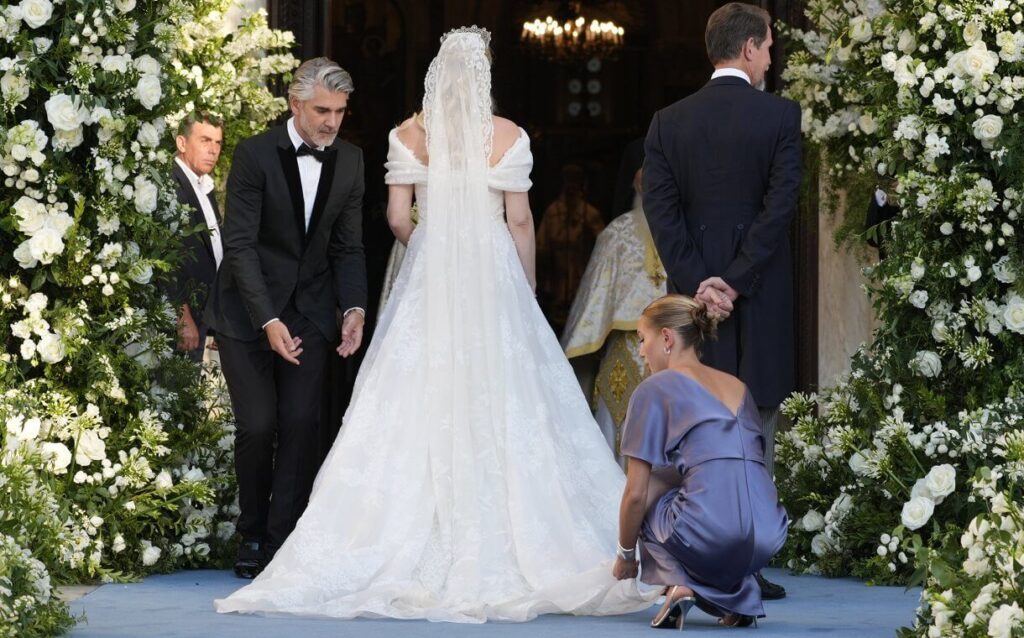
203 183
730 72
293 134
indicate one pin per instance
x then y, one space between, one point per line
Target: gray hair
319 72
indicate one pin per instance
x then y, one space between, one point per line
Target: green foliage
115 452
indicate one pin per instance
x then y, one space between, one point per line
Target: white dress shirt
203 186
730 72
309 172
309 175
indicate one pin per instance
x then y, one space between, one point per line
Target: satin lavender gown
721 520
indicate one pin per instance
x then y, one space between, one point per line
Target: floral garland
115 453
884 472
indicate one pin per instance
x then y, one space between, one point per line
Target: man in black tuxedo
199 142
293 262
721 180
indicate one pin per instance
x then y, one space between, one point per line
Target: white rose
859 464
145 195
115 63
149 135
907 42
67 140
90 448
46 244
23 255
36 13
147 65
59 222
920 489
917 269
972 32
1013 316
141 272
941 481
1004 620
919 298
57 457
163 480
927 363
975 62
860 29
905 71
65 112
150 555
842 505
51 348
916 512
118 545
194 475
946 228
1004 270
31 215
124 6
28 349
821 544
36 303
30 430
14 86
867 124
148 91
225 530
987 129
813 521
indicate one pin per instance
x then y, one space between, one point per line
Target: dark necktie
318 155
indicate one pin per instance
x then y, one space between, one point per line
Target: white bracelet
625 554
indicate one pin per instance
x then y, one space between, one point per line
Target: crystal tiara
484 34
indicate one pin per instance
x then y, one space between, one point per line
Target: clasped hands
718 296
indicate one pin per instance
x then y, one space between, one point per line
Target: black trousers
277 416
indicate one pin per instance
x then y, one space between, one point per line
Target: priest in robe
623 276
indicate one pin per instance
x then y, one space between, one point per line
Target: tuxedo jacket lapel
290 168
323 190
192 199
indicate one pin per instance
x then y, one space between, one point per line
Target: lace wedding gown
469 481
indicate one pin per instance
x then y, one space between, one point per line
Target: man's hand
212 344
717 303
718 296
282 343
188 332
718 284
625 569
351 333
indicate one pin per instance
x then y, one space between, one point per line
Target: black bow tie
318 155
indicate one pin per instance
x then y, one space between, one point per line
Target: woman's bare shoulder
505 128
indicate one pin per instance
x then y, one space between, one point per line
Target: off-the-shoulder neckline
501 160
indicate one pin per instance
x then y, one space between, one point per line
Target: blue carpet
181 604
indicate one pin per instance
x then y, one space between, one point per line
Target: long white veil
457 117
467 402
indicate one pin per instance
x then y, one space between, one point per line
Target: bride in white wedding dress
469 482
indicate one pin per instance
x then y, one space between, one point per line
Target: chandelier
571 36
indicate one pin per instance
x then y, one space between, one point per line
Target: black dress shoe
769 590
249 563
